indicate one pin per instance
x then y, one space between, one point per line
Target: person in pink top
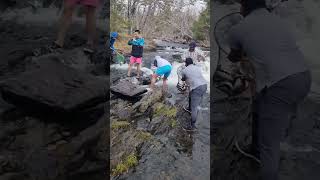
66 19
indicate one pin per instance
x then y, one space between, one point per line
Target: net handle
215 30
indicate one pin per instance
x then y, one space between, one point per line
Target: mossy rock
163 110
148 100
173 123
158 107
129 162
120 125
144 135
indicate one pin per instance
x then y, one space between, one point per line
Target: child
137 44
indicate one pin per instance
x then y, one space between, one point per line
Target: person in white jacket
194 53
163 68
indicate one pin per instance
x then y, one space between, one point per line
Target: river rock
148 100
52 87
75 58
177 57
127 88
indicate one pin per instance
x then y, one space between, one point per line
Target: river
189 152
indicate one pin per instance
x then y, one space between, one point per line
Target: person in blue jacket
113 38
137 44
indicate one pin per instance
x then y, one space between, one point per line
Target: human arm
235 55
130 42
200 55
154 66
184 77
111 45
155 63
236 52
138 42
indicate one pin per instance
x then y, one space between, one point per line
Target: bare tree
171 19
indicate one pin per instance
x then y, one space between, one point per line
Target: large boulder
127 88
49 86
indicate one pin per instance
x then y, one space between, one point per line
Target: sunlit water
167 53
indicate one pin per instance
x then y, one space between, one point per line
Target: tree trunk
128 16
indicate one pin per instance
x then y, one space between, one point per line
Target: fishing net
222 28
223 78
231 106
120 59
181 85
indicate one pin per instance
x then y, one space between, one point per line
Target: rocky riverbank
147 136
53 117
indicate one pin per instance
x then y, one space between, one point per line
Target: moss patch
171 112
129 162
119 125
162 110
144 135
120 168
173 123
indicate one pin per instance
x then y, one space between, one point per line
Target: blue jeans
195 97
273 106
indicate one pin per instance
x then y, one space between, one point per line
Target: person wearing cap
193 77
194 53
163 68
137 43
113 38
282 78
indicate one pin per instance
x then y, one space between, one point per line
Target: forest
164 19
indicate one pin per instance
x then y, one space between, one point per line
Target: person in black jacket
137 44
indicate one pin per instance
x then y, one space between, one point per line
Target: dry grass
122 43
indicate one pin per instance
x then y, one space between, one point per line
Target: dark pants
195 97
273 106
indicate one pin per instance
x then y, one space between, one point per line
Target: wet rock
118 106
145 80
120 150
16 56
90 170
124 114
4 106
9 130
232 131
126 88
59 159
67 87
86 138
177 57
49 86
13 176
15 61
155 125
148 100
75 58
